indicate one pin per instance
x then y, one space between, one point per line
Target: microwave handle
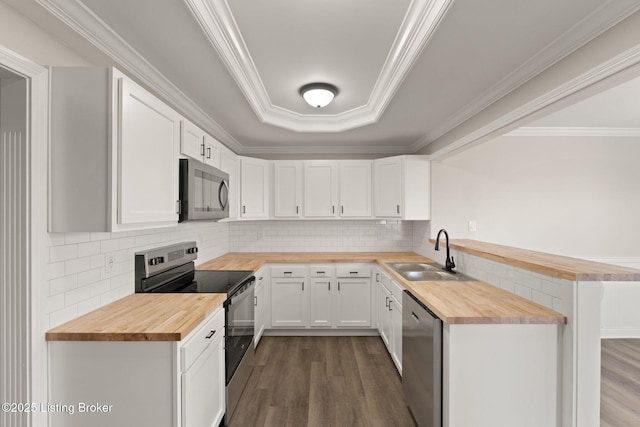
225 202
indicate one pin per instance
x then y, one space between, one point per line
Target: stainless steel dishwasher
421 362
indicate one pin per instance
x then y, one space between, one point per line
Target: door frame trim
36 251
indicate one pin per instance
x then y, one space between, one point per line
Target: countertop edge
515 257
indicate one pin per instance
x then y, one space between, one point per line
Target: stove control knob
153 261
160 259
192 250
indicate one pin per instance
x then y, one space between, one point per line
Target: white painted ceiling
466 55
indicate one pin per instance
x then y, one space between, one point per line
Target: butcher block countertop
454 302
141 317
573 269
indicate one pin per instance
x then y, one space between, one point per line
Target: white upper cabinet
320 189
355 189
147 157
337 189
287 189
388 187
197 144
114 150
254 188
402 187
230 163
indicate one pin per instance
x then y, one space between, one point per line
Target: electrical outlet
473 226
259 235
110 263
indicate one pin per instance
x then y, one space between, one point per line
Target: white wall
573 196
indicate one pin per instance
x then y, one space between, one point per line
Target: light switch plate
110 263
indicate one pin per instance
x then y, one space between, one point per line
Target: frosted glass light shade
318 95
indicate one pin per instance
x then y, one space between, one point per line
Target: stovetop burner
213 281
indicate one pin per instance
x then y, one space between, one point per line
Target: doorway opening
15 304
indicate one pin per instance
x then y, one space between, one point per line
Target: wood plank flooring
620 386
322 381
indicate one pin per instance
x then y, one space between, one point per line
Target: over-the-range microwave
204 192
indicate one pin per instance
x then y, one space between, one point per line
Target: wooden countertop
255 260
573 269
454 302
141 317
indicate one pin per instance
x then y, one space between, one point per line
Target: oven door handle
242 294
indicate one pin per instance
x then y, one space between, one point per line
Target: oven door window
240 324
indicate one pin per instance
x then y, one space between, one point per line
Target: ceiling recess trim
577 36
78 17
420 22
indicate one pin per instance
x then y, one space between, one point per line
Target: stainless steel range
170 269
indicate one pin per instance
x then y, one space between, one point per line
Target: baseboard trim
627 333
320 332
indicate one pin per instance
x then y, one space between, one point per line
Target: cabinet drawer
201 338
288 271
353 270
322 271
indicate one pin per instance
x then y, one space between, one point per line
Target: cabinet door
191 140
355 189
384 325
321 302
147 157
289 303
287 189
320 189
230 163
396 332
203 388
211 152
254 184
354 303
388 187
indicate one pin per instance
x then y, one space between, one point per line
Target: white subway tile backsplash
63 284
77 265
310 236
63 253
88 249
76 295
541 298
78 281
64 315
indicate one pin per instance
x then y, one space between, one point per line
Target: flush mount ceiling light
318 95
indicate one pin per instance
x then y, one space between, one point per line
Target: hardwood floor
322 381
620 386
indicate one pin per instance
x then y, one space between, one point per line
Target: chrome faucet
449 265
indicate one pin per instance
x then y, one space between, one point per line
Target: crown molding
323 149
623 61
575 131
554 52
419 24
78 17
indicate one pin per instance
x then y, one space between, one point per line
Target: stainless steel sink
414 266
422 272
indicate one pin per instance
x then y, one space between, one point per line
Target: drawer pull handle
212 333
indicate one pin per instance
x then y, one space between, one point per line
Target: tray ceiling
408 70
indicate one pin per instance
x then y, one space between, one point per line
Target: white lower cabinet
353 302
389 315
382 312
140 383
261 304
321 296
289 297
